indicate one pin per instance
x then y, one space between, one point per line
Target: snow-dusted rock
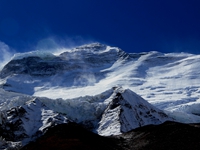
27 122
114 111
128 111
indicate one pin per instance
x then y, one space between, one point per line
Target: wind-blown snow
168 81
41 54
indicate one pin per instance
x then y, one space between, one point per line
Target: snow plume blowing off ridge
57 45
6 54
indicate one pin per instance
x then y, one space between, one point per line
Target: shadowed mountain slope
72 137
169 135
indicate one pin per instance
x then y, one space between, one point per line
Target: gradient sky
132 25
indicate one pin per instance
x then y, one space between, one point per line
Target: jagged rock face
12 124
27 122
78 67
113 112
83 57
94 55
125 111
128 111
34 66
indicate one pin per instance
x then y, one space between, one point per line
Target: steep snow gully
93 85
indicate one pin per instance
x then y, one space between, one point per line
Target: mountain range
101 88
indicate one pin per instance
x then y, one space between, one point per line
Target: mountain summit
127 111
168 81
84 85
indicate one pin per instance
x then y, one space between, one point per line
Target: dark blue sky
133 25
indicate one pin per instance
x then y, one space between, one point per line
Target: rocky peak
127 111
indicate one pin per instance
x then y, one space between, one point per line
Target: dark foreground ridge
166 136
169 135
71 136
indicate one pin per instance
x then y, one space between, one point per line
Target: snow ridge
127 111
112 112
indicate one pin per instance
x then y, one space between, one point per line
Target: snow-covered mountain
168 81
84 85
35 72
113 112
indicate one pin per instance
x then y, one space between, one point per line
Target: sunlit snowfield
169 81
